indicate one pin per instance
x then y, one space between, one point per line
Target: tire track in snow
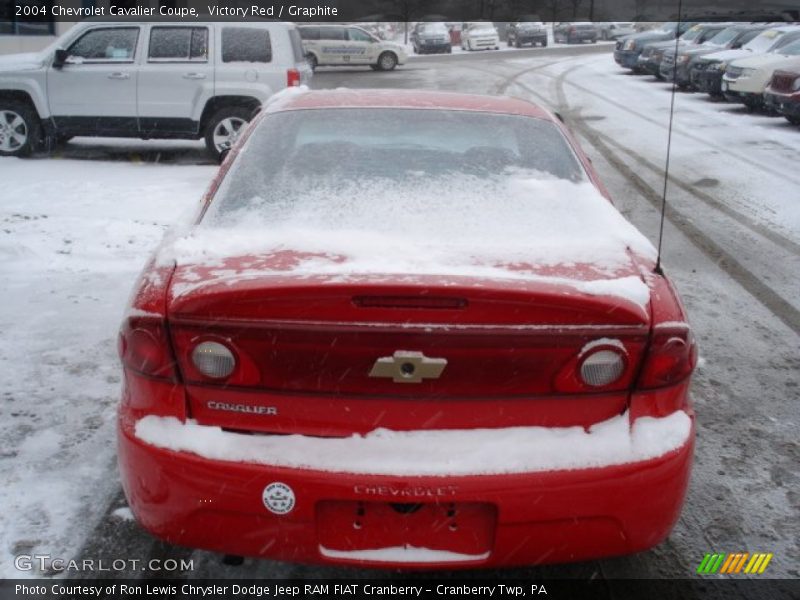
768 297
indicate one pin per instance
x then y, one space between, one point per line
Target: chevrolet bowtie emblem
408 367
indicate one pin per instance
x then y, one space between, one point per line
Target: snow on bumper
438 453
511 506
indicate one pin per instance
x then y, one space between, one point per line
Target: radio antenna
669 137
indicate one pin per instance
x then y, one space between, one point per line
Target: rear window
293 155
246 44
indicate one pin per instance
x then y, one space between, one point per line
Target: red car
407 329
783 94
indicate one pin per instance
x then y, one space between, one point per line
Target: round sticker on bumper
278 498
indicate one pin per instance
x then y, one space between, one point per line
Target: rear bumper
484 43
531 38
651 65
742 97
527 518
434 47
626 58
708 81
786 104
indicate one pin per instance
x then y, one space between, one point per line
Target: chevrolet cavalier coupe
406 329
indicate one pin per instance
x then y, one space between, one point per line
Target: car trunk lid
325 354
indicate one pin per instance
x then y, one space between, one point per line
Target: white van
342 45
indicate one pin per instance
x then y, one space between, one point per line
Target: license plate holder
464 527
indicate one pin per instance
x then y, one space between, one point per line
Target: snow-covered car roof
345 98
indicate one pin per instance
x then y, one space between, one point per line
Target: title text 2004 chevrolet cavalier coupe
406 329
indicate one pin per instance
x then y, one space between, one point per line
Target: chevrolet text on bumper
481 520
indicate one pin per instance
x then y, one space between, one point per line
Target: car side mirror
60 58
736 46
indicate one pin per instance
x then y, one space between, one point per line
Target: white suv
147 80
479 36
343 45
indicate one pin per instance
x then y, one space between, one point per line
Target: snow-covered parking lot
78 226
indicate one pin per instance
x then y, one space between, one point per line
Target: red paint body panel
534 518
304 348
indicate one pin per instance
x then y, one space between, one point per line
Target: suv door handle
194 75
119 75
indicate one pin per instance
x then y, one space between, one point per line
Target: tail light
292 78
213 359
572 30
670 359
144 347
600 366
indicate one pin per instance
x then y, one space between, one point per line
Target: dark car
526 32
730 38
431 38
628 49
575 33
653 53
692 39
783 94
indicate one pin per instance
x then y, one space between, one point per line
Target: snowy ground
77 229
74 235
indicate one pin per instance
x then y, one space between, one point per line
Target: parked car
479 36
614 31
347 45
732 37
653 53
431 38
521 33
575 33
745 79
147 80
628 48
692 39
388 401
783 94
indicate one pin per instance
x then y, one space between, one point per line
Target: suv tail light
670 359
292 78
144 347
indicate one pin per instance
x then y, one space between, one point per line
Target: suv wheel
20 130
225 127
387 61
